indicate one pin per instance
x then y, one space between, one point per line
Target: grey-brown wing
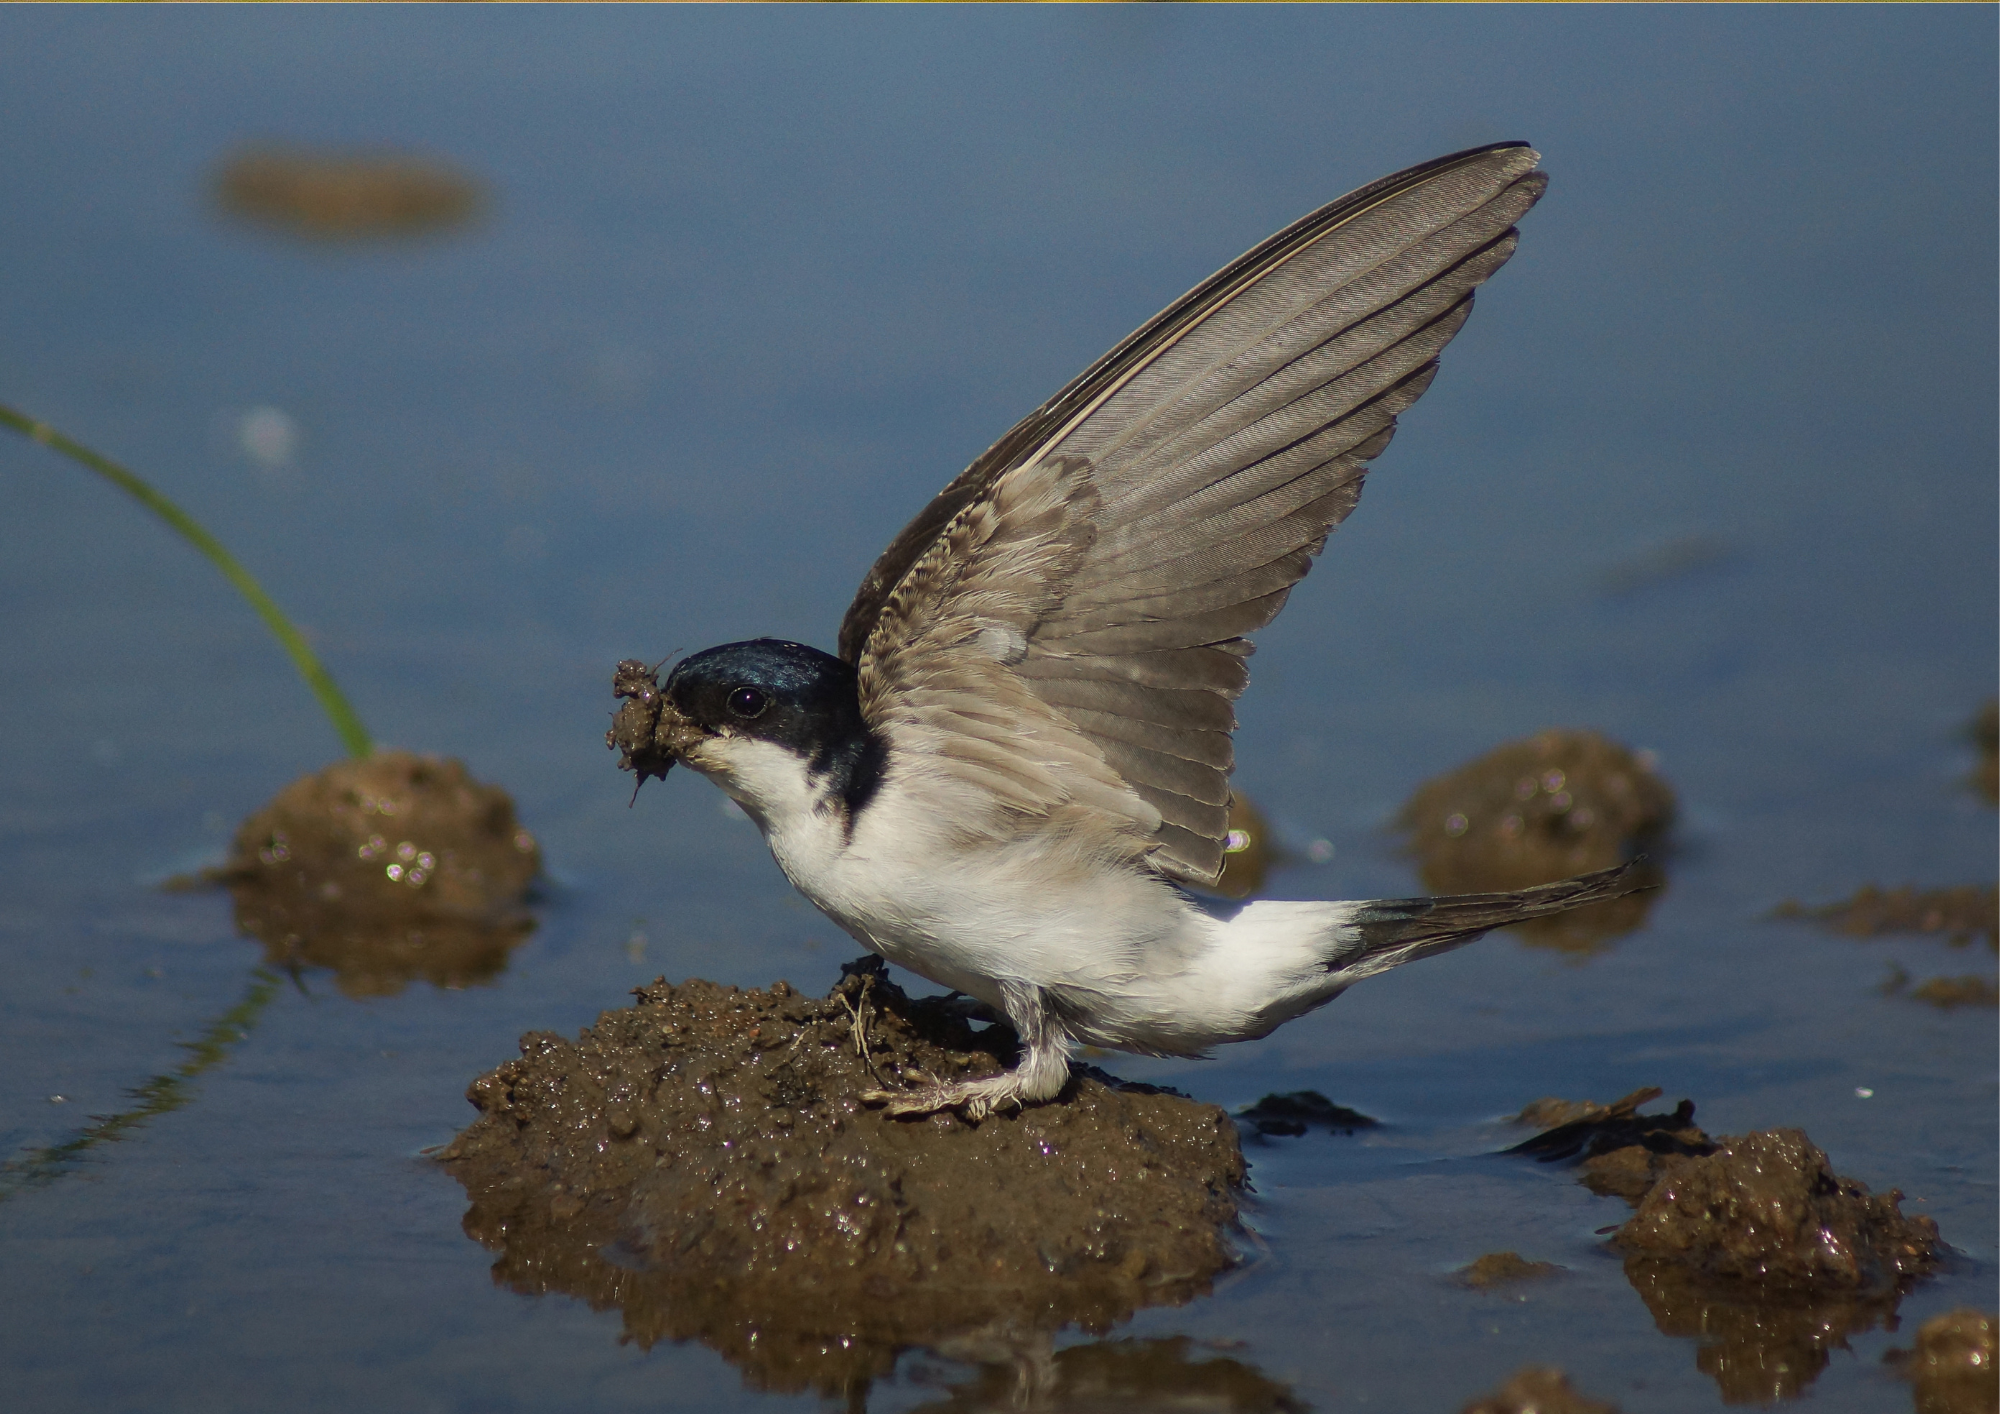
1206 459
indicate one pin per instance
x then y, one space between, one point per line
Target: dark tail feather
1394 931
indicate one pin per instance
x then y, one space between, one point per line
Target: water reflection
1758 1345
158 1095
1548 807
1105 1377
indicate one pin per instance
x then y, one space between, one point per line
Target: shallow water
748 288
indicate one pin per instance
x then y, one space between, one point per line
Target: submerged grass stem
345 721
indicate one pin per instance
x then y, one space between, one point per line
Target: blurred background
503 345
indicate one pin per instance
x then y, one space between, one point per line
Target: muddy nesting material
1752 1245
699 1160
1954 1364
346 195
386 869
1557 804
1539 1389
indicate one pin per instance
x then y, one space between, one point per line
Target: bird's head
742 710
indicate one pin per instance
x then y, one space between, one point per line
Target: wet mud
1557 804
1538 1389
1752 1245
1500 1269
1291 1114
1953 1364
1767 1208
346 196
1623 1152
388 869
1960 915
699 1162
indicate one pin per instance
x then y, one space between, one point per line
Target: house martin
1016 767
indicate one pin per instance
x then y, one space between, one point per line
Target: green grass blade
343 717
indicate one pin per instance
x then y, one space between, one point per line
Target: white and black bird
1019 761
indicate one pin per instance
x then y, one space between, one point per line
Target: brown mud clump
1767 1207
386 869
1548 807
1624 1152
346 195
1953 1364
1961 914
1752 1246
1538 1389
699 1161
1505 1269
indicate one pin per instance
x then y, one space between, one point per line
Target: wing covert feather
1064 627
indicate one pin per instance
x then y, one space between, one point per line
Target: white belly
1130 962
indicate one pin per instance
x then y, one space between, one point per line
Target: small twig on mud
857 1026
792 1051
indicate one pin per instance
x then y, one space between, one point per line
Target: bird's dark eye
748 702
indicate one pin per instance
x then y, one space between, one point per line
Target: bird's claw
932 1097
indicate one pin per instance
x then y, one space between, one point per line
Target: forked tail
1388 932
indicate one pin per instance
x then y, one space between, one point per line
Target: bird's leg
1042 1072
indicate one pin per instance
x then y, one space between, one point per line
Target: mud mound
1961 914
345 196
1504 1269
1548 807
1538 1389
1752 1246
699 1161
1768 1208
386 869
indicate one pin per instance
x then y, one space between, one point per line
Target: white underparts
1033 921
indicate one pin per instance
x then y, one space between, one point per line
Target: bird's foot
976 1098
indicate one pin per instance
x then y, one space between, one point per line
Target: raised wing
1066 622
